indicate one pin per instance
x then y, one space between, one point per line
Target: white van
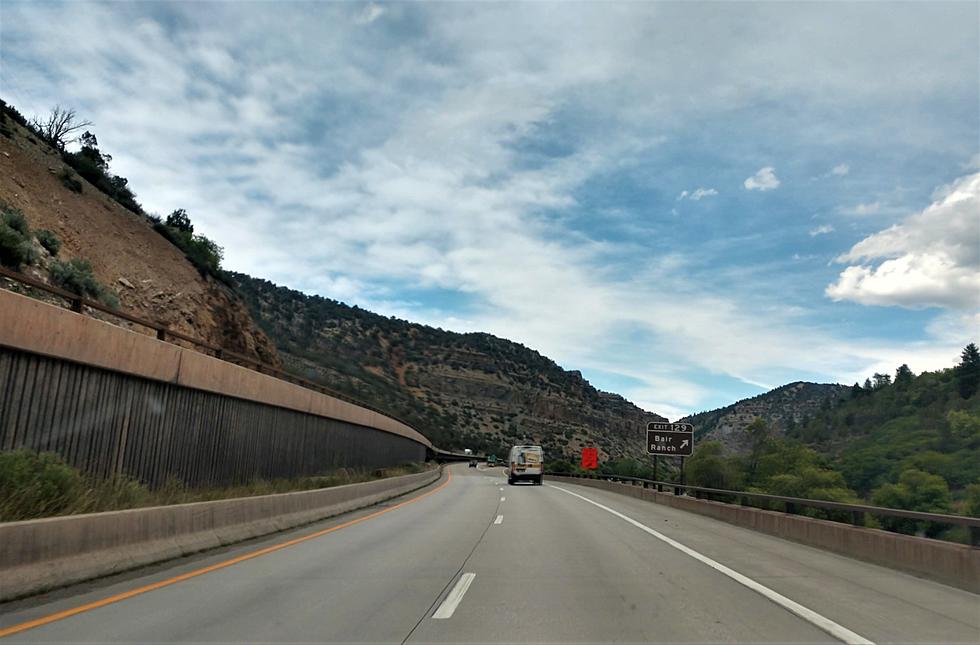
525 462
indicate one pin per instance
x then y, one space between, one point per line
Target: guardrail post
162 334
857 518
791 508
76 305
975 536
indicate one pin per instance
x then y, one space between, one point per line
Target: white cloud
840 170
698 194
764 179
822 230
391 163
869 208
371 13
931 259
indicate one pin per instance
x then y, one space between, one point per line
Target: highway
472 560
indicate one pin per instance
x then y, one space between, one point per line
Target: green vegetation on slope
17 250
912 443
202 252
92 164
36 485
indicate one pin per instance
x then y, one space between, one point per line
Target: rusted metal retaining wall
111 402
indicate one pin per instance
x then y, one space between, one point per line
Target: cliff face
462 390
783 408
151 277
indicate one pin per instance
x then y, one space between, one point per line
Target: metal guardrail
163 332
857 511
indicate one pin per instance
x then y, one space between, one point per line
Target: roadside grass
35 485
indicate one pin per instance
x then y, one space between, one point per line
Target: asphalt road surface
473 560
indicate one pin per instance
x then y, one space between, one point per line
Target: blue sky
690 203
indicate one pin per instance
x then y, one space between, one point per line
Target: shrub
11 111
48 240
16 249
14 218
915 491
973 500
76 276
92 165
560 466
203 253
179 220
36 484
69 181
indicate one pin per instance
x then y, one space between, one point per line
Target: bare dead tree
60 126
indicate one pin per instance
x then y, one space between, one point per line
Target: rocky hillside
462 390
783 408
150 277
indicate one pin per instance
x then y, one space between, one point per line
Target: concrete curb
39 555
957 565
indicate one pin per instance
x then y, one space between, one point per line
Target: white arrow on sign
685 443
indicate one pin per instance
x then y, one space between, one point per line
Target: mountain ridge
783 408
472 390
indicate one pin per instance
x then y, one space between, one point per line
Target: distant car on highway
472 463
525 463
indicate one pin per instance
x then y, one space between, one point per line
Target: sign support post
680 491
673 440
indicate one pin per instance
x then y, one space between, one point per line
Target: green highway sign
671 439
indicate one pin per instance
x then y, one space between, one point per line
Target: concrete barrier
38 555
112 402
957 565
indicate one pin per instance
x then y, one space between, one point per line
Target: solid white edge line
448 606
500 518
822 622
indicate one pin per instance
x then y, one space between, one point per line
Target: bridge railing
792 505
78 304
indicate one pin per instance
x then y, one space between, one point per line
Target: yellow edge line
61 615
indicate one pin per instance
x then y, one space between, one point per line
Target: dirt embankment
152 278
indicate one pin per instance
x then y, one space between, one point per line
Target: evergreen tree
882 380
968 371
180 221
903 377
